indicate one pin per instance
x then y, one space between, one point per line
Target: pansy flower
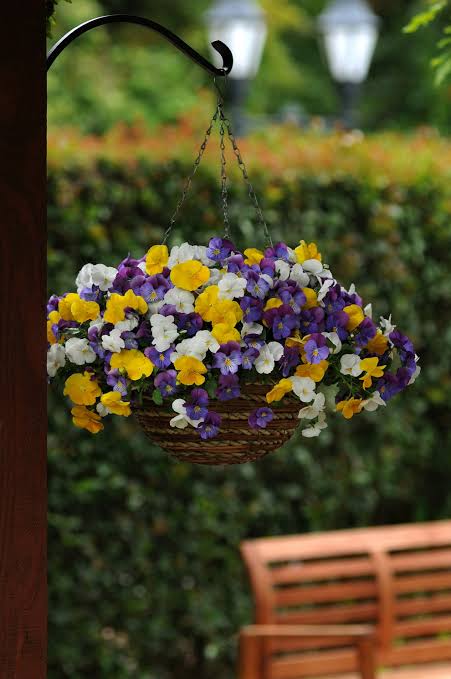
228 387
166 384
210 426
197 404
260 418
252 309
228 358
257 286
219 249
337 322
161 359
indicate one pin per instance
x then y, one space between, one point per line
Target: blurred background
144 572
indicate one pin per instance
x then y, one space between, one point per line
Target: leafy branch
442 62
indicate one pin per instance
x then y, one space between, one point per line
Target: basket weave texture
236 442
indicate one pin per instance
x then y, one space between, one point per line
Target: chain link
224 125
224 185
187 186
243 168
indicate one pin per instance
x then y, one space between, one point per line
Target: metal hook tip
227 57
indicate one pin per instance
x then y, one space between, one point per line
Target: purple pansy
152 289
260 418
95 341
289 360
337 322
366 331
252 309
228 387
166 384
267 266
282 320
248 358
161 359
228 358
293 298
191 323
52 304
257 286
210 426
277 251
311 320
144 331
197 404
117 381
254 342
316 349
235 263
402 343
92 294
219 249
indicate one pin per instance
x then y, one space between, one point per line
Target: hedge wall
145 576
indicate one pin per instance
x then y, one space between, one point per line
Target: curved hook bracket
220 47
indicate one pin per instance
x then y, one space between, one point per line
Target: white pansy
304 388
197 346
415 374
102 410
95 274
324 289
56 359
269 354
251 329
231 286
127 325
350 365
181 253
313 266
387 326
79 352
154 307
215 277
201 255
351 290
368 310
315 429
374 402
314 409
291 255
336 341
181 299
113 342
181 420
97 323
282 269
142 266
205 339
266 277
185 348
164 331
299 276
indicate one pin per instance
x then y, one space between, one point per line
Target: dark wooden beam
23 594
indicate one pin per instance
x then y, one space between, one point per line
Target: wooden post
23 594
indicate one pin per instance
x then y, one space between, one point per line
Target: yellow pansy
273 303
86 419
311 297
279 390
315 371
253 256
377 345
226 311
372 369
224 333
82 390
356 316
349 408
116 305
206 301
191 370
113 401
296 340
54 317
190 275
83 311
65 306
133 361
156 259
304 252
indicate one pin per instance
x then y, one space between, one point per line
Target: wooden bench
325 601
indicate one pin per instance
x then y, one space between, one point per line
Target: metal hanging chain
242 166
187 187
224 185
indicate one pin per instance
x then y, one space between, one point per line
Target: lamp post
349 30
241 25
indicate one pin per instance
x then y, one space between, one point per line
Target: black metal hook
220 47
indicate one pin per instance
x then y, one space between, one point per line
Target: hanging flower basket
220 354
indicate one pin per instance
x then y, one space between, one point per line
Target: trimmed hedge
145 576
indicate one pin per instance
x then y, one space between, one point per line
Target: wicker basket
236 442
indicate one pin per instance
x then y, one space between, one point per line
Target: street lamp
349 29
241 25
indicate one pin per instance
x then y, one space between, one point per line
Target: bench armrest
253 636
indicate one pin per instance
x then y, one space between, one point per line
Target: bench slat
322 570
330 614
318 593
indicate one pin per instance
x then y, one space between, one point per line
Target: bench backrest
397 578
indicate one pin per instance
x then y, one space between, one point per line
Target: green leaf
157 397
425 18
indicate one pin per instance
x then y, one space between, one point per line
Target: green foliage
144 571
441 63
